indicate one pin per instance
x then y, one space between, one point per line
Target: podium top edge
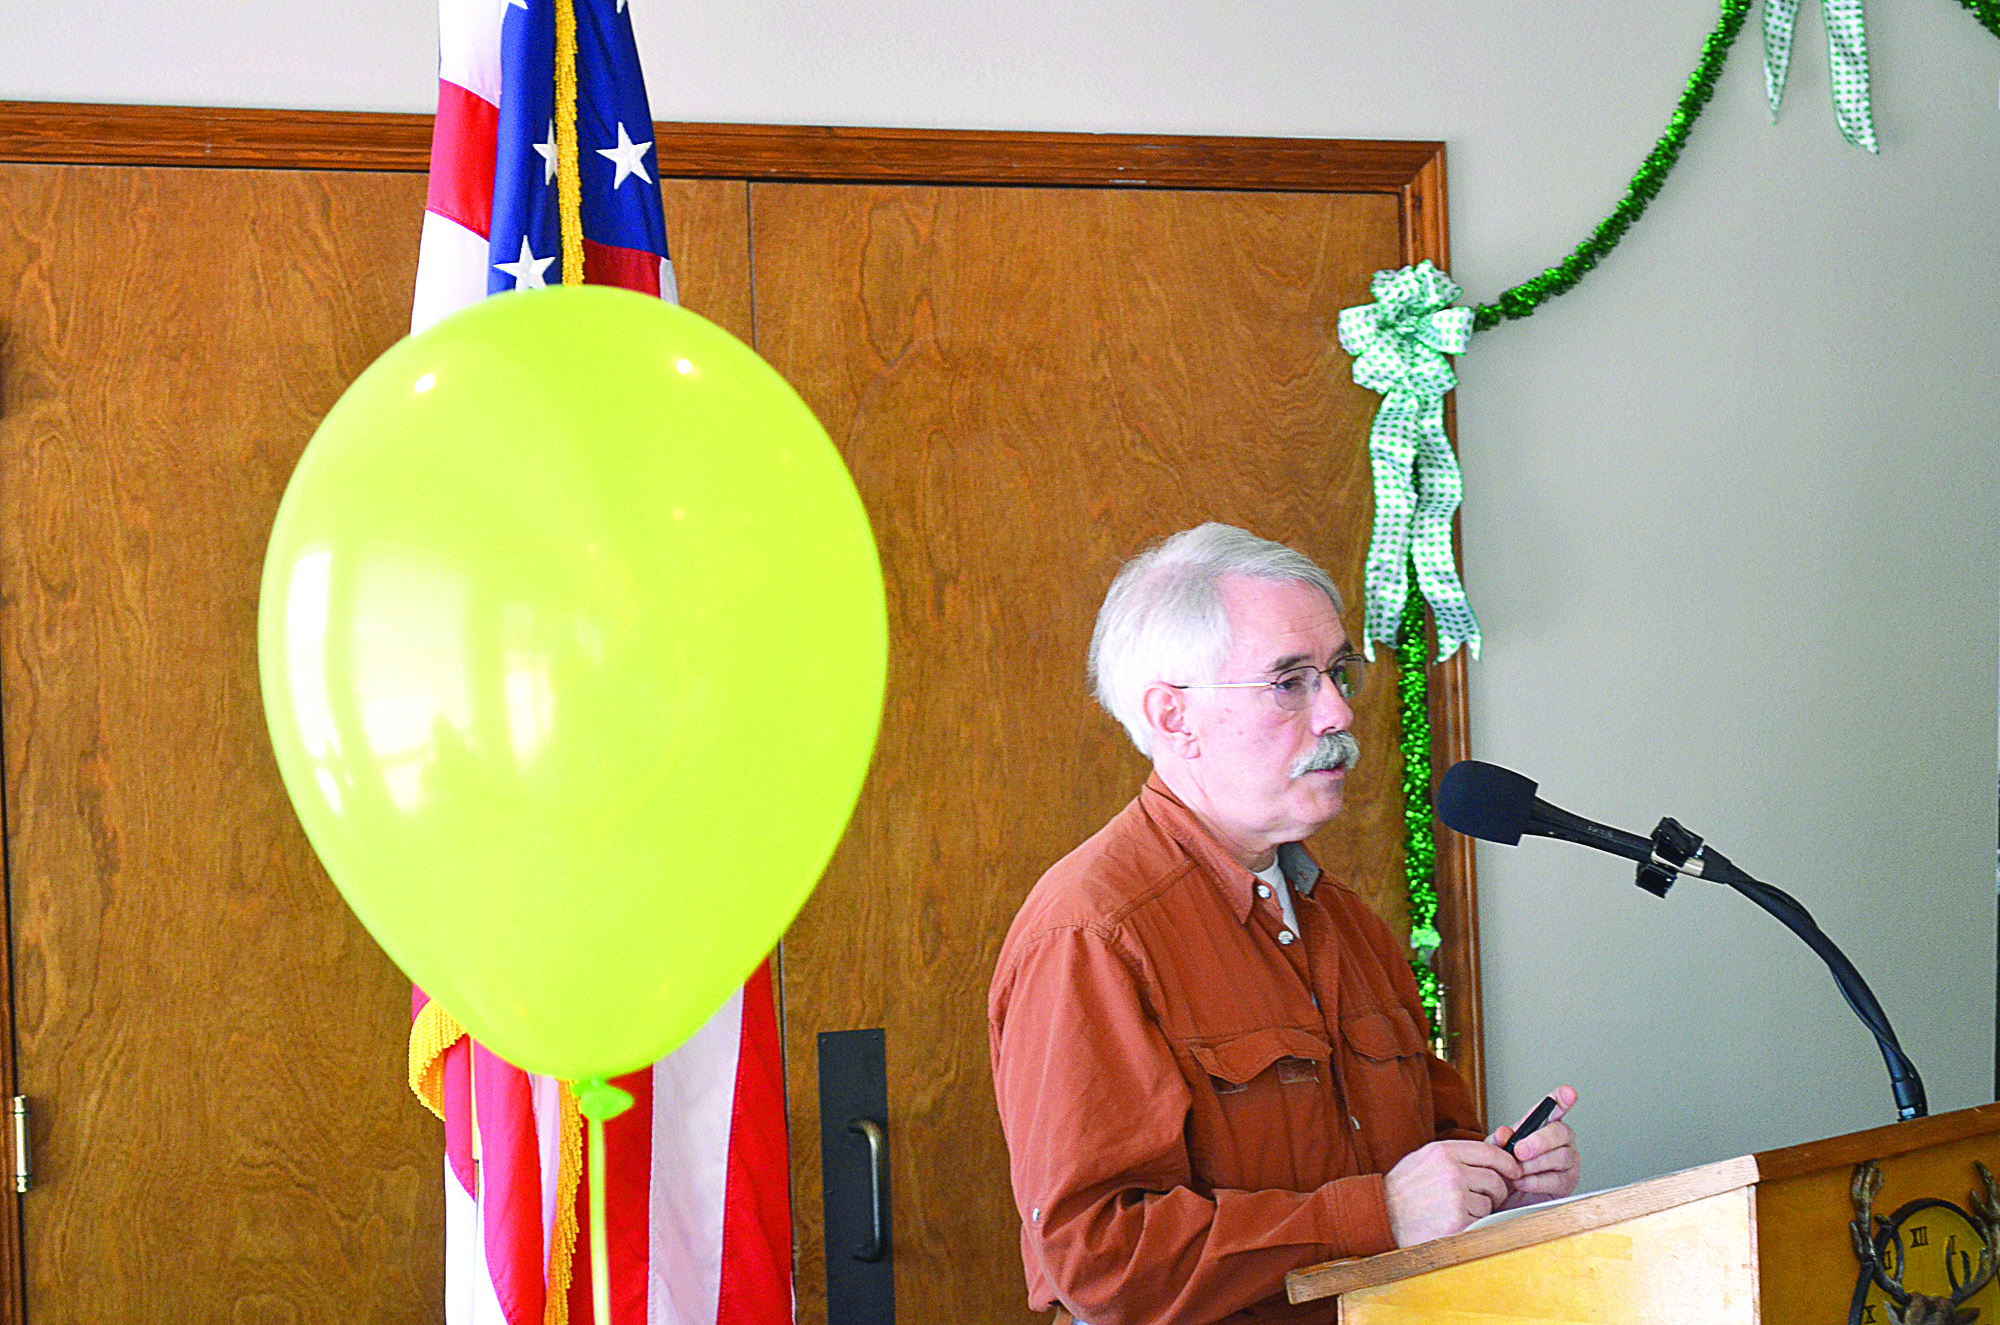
1887 1142
1525 1229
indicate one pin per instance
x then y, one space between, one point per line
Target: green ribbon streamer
1846 60
1419 843
600 1236
1400 343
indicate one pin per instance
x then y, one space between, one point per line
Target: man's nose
1330 710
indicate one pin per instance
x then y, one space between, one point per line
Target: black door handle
877 1245
859 1246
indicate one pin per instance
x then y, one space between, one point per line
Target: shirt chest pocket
1262 1121
1388 1080
1289 1056
1383 1035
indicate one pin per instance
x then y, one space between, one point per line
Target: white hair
1163 618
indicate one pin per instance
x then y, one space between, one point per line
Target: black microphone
1498 805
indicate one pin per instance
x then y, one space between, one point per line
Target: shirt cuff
1356 1217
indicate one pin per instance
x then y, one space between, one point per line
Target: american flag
698 1211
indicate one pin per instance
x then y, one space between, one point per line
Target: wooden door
1029 385
213 1047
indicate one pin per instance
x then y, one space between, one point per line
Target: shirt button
1356 1121
1263 890
1035 1215
1285 936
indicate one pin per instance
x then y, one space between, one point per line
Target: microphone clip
1673 847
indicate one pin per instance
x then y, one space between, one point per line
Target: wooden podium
1760 1238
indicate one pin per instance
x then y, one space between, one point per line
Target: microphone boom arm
1678 851
1499 805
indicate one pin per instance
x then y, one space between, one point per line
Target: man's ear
1166 711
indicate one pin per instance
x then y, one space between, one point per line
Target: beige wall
1731 514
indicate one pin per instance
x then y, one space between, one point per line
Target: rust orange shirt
1196 1099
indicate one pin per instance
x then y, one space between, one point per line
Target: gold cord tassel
569 175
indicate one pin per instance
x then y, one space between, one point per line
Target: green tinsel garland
1987 12
1531 294
1419 845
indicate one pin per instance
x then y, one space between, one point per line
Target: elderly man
1210 1058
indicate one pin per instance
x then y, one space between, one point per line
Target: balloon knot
600 1101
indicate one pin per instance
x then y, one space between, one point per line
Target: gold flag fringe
569 1172
433 1032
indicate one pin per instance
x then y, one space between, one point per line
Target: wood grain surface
1529 1228
1549 1263
1979 1124
1691 1264
209 1037
1804 1205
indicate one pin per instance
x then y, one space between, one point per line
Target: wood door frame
63 133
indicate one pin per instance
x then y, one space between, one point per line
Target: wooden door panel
1029 385
201 1025
214 1047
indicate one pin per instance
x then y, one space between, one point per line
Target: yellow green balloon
572 640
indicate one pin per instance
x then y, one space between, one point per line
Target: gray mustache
1335 750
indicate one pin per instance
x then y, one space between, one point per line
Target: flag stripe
510 1186
469 44
462 152
692 1092
458 1115
628 1141
451 271
627 268
468 1289
551 1120
755 1286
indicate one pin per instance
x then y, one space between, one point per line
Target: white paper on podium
1502 1216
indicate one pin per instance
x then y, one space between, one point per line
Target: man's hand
1438 1190
1549 1161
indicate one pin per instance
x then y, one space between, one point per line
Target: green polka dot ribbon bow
1846 58
1399 344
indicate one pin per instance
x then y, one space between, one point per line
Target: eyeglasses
1296 689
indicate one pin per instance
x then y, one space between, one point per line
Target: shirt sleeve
1094 1105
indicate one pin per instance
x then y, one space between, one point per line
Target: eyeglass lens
1297 689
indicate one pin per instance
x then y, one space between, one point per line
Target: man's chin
1327 788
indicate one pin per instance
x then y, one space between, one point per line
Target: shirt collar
1301 870
1237 884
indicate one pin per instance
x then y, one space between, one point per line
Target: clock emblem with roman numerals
1929 1263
